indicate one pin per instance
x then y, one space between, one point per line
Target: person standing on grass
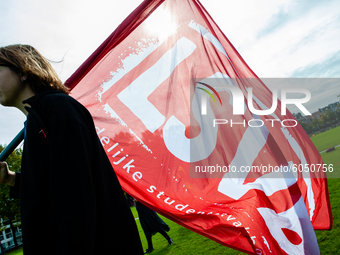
151 224
71 200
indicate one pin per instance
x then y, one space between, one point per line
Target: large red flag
193 160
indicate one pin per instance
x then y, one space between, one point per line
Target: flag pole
12 145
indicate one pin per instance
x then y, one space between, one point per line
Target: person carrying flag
71 200
151 224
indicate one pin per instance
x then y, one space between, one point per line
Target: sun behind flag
156 125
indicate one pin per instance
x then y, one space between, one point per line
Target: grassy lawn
185 241
327 139
328 242
15 252
188 242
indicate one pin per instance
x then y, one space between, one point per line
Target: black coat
71 200
150 221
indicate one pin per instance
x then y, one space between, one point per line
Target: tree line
9 207
327 120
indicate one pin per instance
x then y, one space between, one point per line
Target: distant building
298 115
307 119
6 235
316 115
332 107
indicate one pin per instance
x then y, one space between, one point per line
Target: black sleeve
14 192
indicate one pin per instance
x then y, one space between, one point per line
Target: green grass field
327 139
328 242
187 242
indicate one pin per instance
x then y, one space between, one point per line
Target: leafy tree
328 117
304 126
307 127
9 207
337 111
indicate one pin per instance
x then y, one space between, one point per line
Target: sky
277 39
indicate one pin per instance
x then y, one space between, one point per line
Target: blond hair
27 61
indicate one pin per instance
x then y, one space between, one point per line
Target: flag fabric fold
141 87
